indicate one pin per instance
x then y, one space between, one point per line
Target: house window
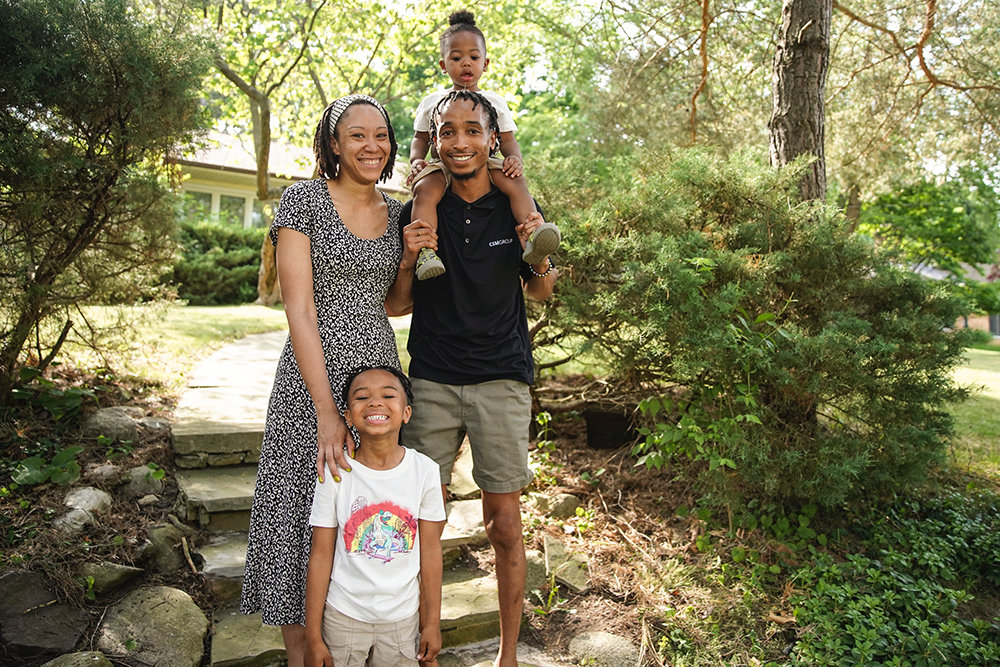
232 210
995 324
196 205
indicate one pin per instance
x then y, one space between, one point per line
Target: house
220 178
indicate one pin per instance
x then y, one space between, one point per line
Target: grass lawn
977 421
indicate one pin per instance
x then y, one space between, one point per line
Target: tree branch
706 21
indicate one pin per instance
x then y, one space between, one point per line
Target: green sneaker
429 265
543 242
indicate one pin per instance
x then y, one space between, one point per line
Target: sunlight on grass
161 343
977 421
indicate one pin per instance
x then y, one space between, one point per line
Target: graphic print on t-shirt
380 531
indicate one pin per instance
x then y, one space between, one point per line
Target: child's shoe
543 242
429 265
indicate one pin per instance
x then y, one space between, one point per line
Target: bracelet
547 271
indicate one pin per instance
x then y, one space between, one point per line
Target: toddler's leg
427 193
543 241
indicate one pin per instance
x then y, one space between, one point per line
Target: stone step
469 614
219 420
224 554
219 499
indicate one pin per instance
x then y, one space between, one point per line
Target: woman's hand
331 435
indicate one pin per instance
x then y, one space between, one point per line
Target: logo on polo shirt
501 242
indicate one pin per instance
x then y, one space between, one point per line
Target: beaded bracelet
547 271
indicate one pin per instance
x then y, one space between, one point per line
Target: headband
339 106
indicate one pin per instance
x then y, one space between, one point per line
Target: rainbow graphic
380 531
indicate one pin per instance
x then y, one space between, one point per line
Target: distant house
220 179
983 273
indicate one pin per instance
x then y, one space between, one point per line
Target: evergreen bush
777 347
218 263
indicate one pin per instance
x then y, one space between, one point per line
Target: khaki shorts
495 415
437 165
390 644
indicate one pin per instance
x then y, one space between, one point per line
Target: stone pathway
217 434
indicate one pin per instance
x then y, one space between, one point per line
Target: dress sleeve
294 211
324 507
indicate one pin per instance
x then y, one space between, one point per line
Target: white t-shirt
422 122
376 560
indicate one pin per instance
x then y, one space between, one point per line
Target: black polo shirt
469 324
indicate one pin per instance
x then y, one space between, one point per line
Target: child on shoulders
463 58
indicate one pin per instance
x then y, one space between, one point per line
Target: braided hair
477 99
460 21
353 375
326 160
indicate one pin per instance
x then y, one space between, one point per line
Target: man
471 362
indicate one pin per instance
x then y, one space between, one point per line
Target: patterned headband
339 106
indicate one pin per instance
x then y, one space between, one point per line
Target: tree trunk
797 87
268 289
853 209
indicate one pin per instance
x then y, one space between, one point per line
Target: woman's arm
430 589
317 585
296 281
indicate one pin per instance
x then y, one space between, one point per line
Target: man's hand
416 235
512 166
331 435
416 167
530 224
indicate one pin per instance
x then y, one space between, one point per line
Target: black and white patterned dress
351 277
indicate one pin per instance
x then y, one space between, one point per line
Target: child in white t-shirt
463 57
374 577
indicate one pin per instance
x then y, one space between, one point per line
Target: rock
116 423
32 622
603 649
73 521
462 486
102 473
229 459
148 499
154 424
163 550
465 519
241 639
155 626
537 579
88 498
84 659
569 568
108 576
141 482
560 506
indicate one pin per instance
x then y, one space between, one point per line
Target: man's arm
416 235
317 585
430 589
543 279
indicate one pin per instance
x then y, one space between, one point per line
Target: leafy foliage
94 101
218 263
939 225
906 600
802 363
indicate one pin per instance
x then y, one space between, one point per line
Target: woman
338 252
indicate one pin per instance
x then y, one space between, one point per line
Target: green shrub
906 599
218 263
782 350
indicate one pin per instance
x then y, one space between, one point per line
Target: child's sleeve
422 119
431 502
505 119
324 507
